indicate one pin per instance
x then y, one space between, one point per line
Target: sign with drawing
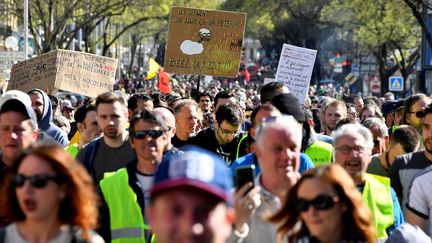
204 42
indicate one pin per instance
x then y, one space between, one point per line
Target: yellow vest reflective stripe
320 153
126 219
376 195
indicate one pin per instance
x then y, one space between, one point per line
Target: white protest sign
295 69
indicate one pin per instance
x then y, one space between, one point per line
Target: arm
415 219
417 205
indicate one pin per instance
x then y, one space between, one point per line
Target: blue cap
196 168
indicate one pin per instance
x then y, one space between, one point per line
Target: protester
379 132
223 138
334 112
186 118
406 166
113 150
139 101
405 139
191 199
86 120
270 90
43 109
326 202
205 102
370 110
168 117
50 198
353 147
278 152
126 192
414 107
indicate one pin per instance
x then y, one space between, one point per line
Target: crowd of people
152 167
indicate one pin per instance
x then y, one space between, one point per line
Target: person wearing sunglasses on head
326 202
50 198
353 145
126 192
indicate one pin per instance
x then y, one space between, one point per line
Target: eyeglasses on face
345 149
321 202
418 114
227 132
143 133
37 181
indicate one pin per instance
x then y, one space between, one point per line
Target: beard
428 145
38 115
110 132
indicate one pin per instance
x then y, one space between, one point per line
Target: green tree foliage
385 27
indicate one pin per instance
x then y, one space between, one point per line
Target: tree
385 27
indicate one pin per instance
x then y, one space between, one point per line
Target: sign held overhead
204 42
77 72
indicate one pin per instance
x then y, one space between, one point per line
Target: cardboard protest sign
295 69
77 72
204 42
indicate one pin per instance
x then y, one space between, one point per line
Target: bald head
169 120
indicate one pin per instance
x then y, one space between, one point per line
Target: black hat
388 107
288 104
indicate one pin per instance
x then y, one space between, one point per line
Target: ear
80 126
387 142
252 133
130 113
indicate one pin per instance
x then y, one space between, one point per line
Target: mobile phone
244 175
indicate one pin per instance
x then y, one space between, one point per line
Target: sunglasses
321 202
143 133
418 114
37 181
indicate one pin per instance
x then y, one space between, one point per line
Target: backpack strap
89 156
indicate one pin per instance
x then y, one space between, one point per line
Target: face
148 148
68 113
367 113
357 158
380 144
412 119
187 120
351 113
112 119
279 150
224 101
333 114
205 103
89 129
226 132
144 104
37 104
38 204
398 116
320 222
427 132
358 104
16 134
187 215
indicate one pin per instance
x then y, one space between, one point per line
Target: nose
111 122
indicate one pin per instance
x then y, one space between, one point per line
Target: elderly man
353 148
126 192
278 152
186 120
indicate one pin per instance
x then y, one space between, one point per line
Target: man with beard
405 167
353 145
414 107
334 112
42 106
112 151
126 192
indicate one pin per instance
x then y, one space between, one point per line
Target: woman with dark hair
50 198
324 206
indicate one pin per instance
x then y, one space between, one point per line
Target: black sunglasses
37 181
143 133
321 202
418 114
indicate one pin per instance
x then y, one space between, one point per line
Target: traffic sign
396 83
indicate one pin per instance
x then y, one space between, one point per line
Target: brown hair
357 217
78 207
111 97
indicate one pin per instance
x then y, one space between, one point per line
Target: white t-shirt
420 197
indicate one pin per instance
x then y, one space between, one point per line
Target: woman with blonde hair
324 206
50 198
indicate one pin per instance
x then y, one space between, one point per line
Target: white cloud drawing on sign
189 47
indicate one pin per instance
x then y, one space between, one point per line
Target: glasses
418 114
345 149
37 181
321 202
226 132
143 133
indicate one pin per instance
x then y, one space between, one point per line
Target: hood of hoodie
46 119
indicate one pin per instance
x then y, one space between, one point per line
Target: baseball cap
388 107
288 104
20 98
196 168
399 105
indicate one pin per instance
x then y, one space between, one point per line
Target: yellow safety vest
320 153
126 219
376 195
